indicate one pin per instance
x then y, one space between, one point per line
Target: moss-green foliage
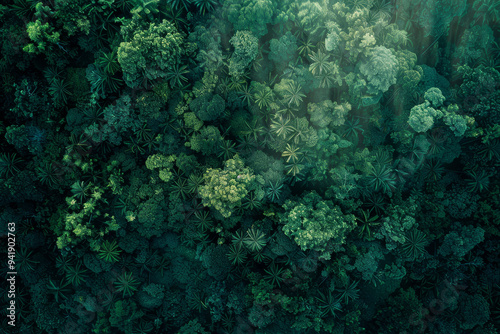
404 305
192 122
17 136
237 166
163 164
192 327
435 97
120 119
149 50
283 50
216 261
456 123
84 222
474 40
399 220
310 14
435 16
409 74
250 15
368 263
423 116
151 295
150 105
208 107
461 241
316 224
327 112
246 46
123 314
224 189
150 218
474 310
206 141
29 101
43 36
478 83
380 70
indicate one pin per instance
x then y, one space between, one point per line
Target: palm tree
292 152
320 63
246 94
76 274
101 82
274 274
281 127
253 129
24 261
352 128
59 91
205 5
58 289
382 178
329 304
109 62
293 94
294 168
329 78
237 254
9 164
176 76
80 190
477 182
414 245
126 284
226 149
273 191
366 223
264 97
180 3
109 251
350 291
300 130
305 46
255 239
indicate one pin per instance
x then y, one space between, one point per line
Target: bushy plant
461 241
316 224
422 117
149 51
225 188
380 70
246 46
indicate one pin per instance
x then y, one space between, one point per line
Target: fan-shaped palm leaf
329 304
255 239
414 245
126 284
109 251
9 164
274 274
293 94
320 63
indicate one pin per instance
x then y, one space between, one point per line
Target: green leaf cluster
316 224
224 189
148 52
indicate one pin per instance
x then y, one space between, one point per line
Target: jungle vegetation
251 166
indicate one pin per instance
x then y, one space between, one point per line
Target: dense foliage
251 166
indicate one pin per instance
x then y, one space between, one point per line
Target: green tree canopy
148 52
380 69
225 188
316 224
246 46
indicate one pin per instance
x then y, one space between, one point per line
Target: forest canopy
250 166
